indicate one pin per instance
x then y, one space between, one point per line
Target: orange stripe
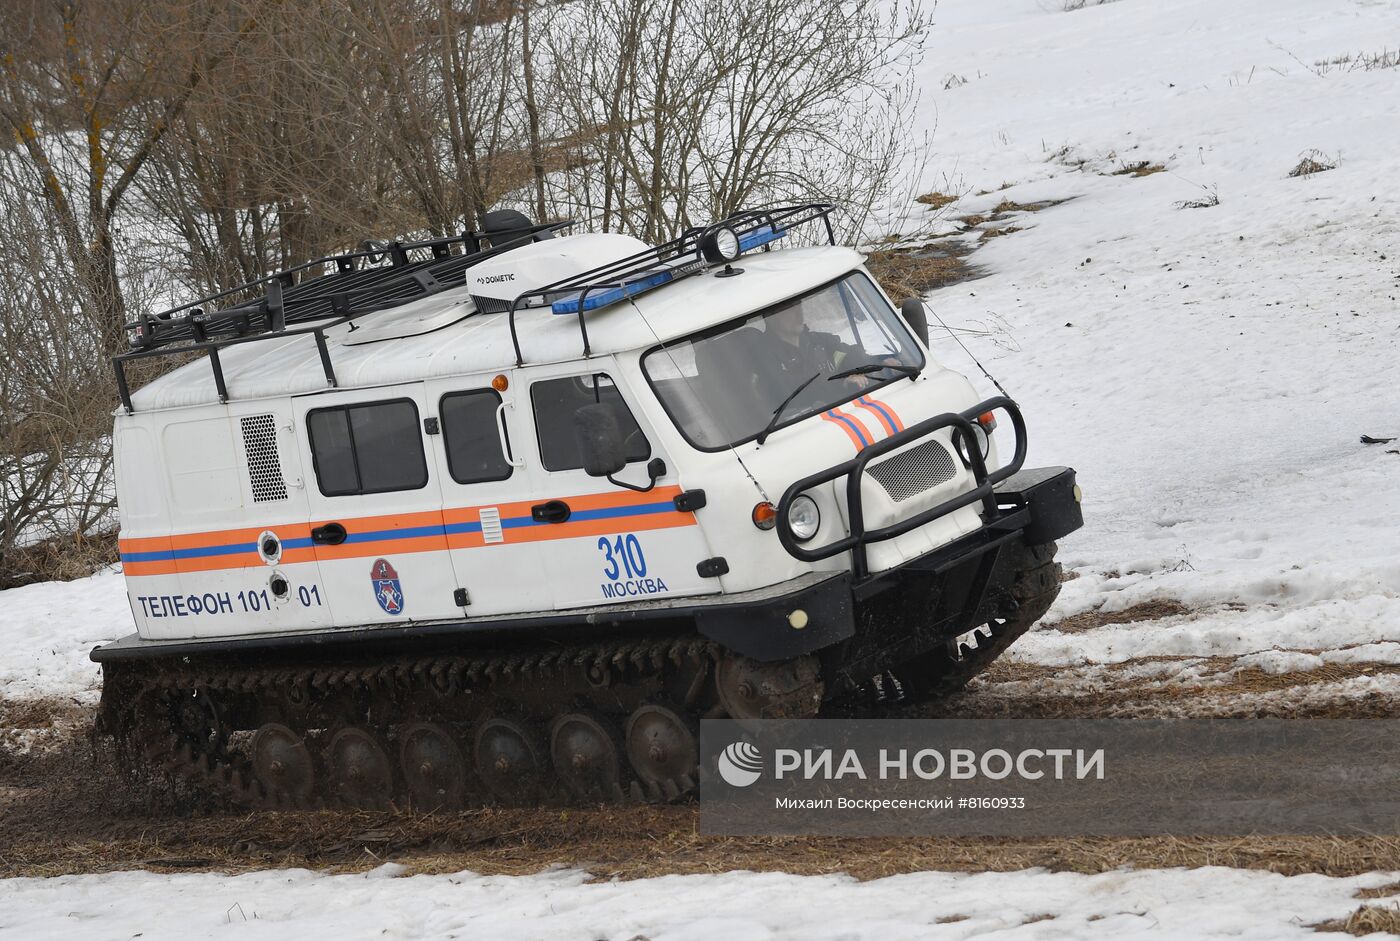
149 568
855 439
409 544
898 422
884 422
605 527
144 544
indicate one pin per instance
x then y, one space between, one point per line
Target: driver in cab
794 351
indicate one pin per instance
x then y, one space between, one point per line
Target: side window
473 443
371 448
556 401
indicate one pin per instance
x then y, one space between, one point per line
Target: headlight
804 519
719 245
984 444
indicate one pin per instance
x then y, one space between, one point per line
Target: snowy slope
303 906
46 631
1209 370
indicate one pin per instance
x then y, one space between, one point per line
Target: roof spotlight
719 245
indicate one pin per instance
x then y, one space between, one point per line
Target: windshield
727 386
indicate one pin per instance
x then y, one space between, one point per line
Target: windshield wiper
778 412
868 368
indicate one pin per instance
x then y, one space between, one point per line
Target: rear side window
469 429
371 448
557 401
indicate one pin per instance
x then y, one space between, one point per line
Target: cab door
376 507
486 494
602 543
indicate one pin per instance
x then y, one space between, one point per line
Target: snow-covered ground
47 629
1207 370
303 906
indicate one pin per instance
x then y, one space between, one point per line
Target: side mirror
915 317
600 441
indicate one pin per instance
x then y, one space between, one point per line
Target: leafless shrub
1069 6
1313 161
55 465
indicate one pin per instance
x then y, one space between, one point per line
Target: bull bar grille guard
854 472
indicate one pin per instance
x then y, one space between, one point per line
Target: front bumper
860 537
901 611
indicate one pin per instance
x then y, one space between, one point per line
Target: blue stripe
381 535
853 425
454 528
867 400
204 552
198 552
644 509
164 556
612 512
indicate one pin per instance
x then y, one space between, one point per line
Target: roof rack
668 262
301 300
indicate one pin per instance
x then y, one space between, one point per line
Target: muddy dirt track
65 808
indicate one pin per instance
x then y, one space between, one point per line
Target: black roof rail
662 264
302 300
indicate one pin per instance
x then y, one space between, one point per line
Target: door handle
555 511
331 534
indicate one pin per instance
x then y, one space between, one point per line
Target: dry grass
57 560
936 200
1146 611
1010 205
1000 211
1139 169
1360 62
913 272
998 231
1368 919
1379 892
1311 162
626 843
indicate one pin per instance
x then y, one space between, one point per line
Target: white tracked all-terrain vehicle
501 517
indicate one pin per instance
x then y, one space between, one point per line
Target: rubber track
943 673
231 776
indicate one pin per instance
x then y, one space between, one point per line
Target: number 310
624 550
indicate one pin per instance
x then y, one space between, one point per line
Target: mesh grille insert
264 464
911 472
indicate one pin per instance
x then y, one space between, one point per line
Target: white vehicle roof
444 334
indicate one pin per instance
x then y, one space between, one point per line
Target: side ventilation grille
264 464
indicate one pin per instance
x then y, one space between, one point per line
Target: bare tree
89 89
